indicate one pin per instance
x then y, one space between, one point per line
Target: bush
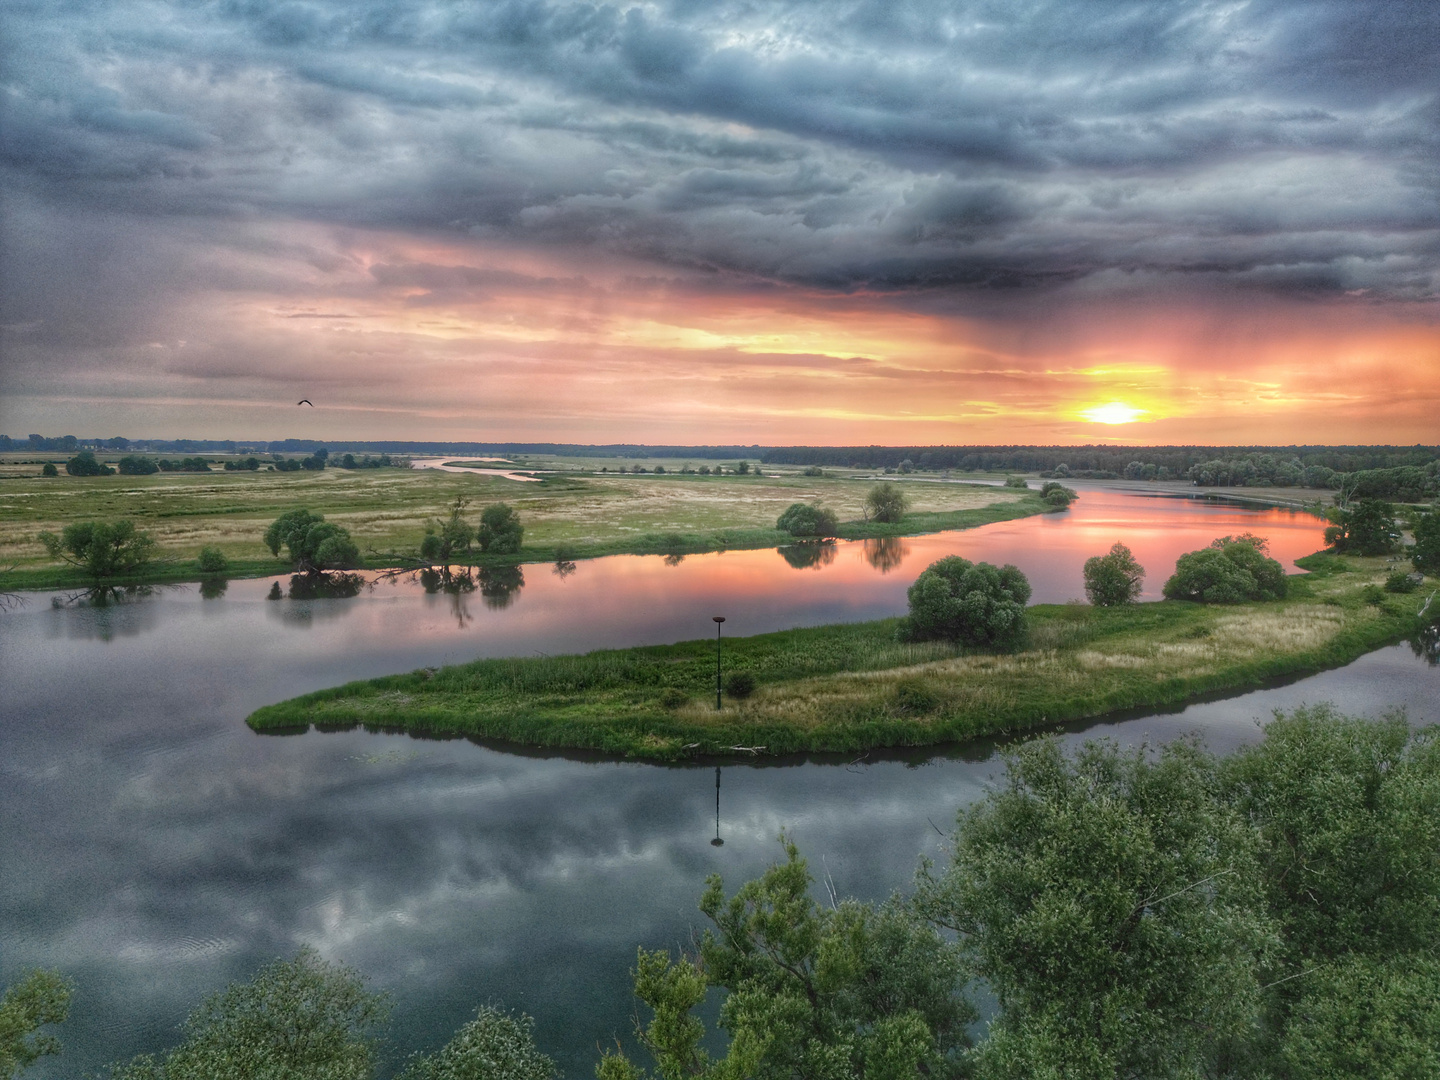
1232 570
1113 579
1400 582
975 603
1425 555
1057 496
212 561
136 465
886 503
500 531
1368 528
812 470
102 550
314 543
740 684
672 697
84 464
808 519
1017 482
49 470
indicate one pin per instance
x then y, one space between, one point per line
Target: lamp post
718 620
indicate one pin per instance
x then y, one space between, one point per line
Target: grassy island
853 687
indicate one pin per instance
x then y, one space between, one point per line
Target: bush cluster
1232 570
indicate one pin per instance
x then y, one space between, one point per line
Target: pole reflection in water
717 842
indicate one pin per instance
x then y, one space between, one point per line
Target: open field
852 687
386 510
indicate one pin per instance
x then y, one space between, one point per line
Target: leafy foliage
1367 528
1425 555
137 465
40 998
740 684
494 1046
49 470
886 503
1057 496
84 464
500 531
446 539
1114 578
808 519
314 543
102 549
212 561
1231 570
975 603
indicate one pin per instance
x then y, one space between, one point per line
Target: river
155 849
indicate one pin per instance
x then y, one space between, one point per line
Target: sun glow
1113 412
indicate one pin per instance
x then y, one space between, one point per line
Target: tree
40 998
84 464
1232 570
1113 579
49 470
808 519
212 561
1367 528
445 539
1425 555
500 530
494 1046
101 549
314 543
886 503
837 991
1017 482
296 1018
137 465
975 603
1109 902
1057 496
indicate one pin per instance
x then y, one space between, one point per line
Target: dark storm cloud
1272 146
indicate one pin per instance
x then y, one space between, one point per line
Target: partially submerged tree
314 544
39 999
1113 579
974 603
1057 496
102 549
1232 570
886 503
808 519
500 531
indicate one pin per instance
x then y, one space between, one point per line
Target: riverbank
852 687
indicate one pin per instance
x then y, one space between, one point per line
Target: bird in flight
305 401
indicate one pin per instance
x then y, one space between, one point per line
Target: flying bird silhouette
305 401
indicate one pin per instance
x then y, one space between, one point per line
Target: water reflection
456 585
717 842
563 568
213 588
326 585
809 554
500 585
886 553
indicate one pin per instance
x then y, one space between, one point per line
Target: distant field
386 510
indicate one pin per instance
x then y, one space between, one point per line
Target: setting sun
1114 412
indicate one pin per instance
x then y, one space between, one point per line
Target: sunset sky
723 221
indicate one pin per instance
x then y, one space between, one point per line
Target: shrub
101 549
500 530
1016 482
975 603
84 464
672 697
1425 555
1400 582
886 503
49 470
808 519
1057 496
1113 579
136 465
1368 528
1232 570
740 684
812 470
212 561
314 543
445 539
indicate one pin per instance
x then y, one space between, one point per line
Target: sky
728 221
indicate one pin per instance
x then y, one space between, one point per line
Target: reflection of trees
810 554
1426 644
500 584
103 596
563 568
325 586
456 586
213 588
885 553
675 558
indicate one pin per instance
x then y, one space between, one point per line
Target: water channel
154 849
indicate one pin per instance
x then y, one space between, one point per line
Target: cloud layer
952 188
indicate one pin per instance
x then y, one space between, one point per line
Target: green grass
386 510
853 687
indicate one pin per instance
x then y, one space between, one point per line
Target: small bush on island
973 603
1367 528
1113 579
212 561
808 519
314 543
500 531
84 464
102 549
886 503
1057 496
1232 570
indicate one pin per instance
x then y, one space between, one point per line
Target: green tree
102 549
137 465
975 603
886 503
1232 570
40 998
847 990
1425 555
49 470
1367 528
500 531
212 561
1057 496
494 1046
1110 901
1113 579
1017 482
296 1018
446 539
84 464
314 544
808 519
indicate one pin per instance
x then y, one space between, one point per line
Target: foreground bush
102 549
39 999
808 519
1113 579
975 603
1231 570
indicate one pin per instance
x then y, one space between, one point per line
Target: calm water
154 849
